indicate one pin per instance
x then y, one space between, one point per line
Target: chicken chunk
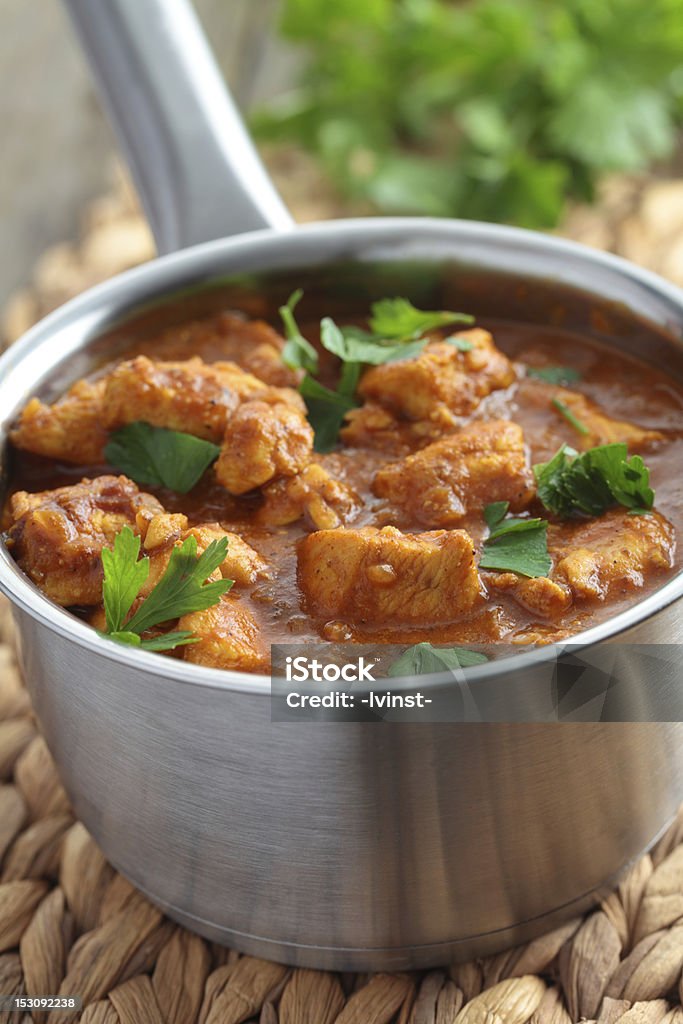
229 637
314 494
547 433
71 430
242 563
257 348
385 577
162 532
252 344
602 429
159 530
546 597
263 441
371 426
612 555
57 536
461 473
442 383
190 396
597 560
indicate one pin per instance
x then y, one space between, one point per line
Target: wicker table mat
69 923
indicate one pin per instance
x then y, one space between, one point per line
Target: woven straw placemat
70 924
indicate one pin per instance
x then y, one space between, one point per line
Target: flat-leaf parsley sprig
572 485
400 320
515 544
182 589
396 329
160 457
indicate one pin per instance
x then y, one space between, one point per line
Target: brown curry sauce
625 388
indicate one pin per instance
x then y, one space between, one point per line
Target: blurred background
562 115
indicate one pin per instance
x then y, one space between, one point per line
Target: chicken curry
408 478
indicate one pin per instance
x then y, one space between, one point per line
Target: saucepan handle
194 165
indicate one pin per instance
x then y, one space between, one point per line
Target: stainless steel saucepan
344 845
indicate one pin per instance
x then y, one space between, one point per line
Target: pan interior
346 288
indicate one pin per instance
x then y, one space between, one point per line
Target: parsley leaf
298 352
326 411
123 636
515 544
565 411
164 642
424 658
598 479
399 338
161 457
168 641
354 345
350 344
124 576
181 589
554 374
400 320
462 344
495 513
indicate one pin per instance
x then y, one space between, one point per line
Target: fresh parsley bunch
489 109
182 589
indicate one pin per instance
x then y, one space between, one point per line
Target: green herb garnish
424 659
594 481
326 411
124 577
398 319
495 513
554 374
354 345
495 110
396 326
161 457
298 352
462 344
181 589
515 544
565 411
